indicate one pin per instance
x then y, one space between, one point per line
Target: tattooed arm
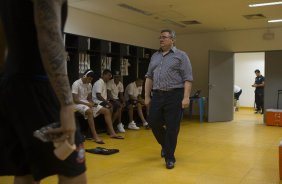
47 16
48 24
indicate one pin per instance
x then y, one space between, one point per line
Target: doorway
221 92
244 66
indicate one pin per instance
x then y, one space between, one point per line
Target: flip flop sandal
117 137
102 151
99 142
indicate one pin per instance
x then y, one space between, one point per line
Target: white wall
96 26
198 45
245 65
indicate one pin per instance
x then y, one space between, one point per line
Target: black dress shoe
169 164
162 153
147 127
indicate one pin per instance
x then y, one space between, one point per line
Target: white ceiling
214 15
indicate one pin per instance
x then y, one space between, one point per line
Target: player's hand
122 104
68 126
91 104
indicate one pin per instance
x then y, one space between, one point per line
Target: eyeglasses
164 37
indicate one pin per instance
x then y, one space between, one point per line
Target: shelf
95 44
138 57
71 41
72 48
83 43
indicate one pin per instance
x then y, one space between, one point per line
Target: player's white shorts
83 108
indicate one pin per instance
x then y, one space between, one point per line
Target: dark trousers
259 95
164 118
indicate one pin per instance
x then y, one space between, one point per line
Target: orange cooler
274 117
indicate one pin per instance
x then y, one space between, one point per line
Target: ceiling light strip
272 21
265 4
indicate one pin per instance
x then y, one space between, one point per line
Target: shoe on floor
100 142
147 127
133 126
117 137
102 151
145 124
257 111
120 128
169 164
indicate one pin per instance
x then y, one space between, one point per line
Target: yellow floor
242 151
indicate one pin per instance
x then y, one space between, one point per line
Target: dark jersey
23 53
22 154
259 80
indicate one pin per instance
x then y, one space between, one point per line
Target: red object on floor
273 117
280 160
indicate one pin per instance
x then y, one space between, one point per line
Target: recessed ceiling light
265 4
135 9
278 20
173 22
254 16
190 22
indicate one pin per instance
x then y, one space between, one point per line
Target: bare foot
99 140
